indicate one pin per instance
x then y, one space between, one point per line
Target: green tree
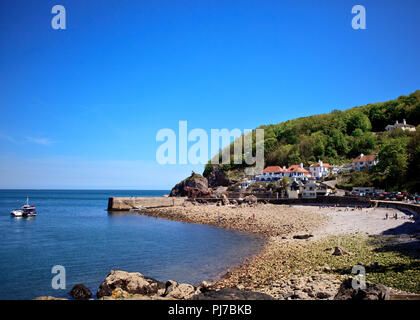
358 120
393 163
283 184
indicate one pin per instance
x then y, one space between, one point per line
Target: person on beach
396 216
386 216
220 219
253 216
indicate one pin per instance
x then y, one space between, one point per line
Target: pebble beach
297 261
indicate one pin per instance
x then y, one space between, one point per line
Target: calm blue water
73 229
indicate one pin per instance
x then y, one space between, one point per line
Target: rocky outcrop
371 292
80 292
195 181
217 177
122 285
181 291
130 282
232 294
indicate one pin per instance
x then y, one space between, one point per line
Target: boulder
338 251
195 181
181 291
225 200
131 282
232 294
371 292
323 295
80 292
251 199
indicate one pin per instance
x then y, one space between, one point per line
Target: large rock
80 292
131 282
251 199
181 291
232 294
338 251
195 181
371 292
225 200
217 177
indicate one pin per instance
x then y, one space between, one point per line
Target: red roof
324 165
273 169
297 168
368 158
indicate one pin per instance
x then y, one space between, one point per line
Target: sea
74 233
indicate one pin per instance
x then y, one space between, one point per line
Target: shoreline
297 259
324 226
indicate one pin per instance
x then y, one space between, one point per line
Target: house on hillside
297 172
275 173
364 162
294 188
320 170
309 190
323 190
404 126
271 174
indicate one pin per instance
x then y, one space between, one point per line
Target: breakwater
129 203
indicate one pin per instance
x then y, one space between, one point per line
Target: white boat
17 213
26 210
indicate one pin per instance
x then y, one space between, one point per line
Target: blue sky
80 108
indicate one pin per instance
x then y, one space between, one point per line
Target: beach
297 261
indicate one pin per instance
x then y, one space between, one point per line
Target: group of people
395 216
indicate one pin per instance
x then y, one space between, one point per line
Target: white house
363 162
297 172
404 126
320 169
272 173
309 190
275 173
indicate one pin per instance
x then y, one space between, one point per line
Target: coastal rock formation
196 181
232 294
372 292
194 193
217 177
80 292
179 291
131 282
